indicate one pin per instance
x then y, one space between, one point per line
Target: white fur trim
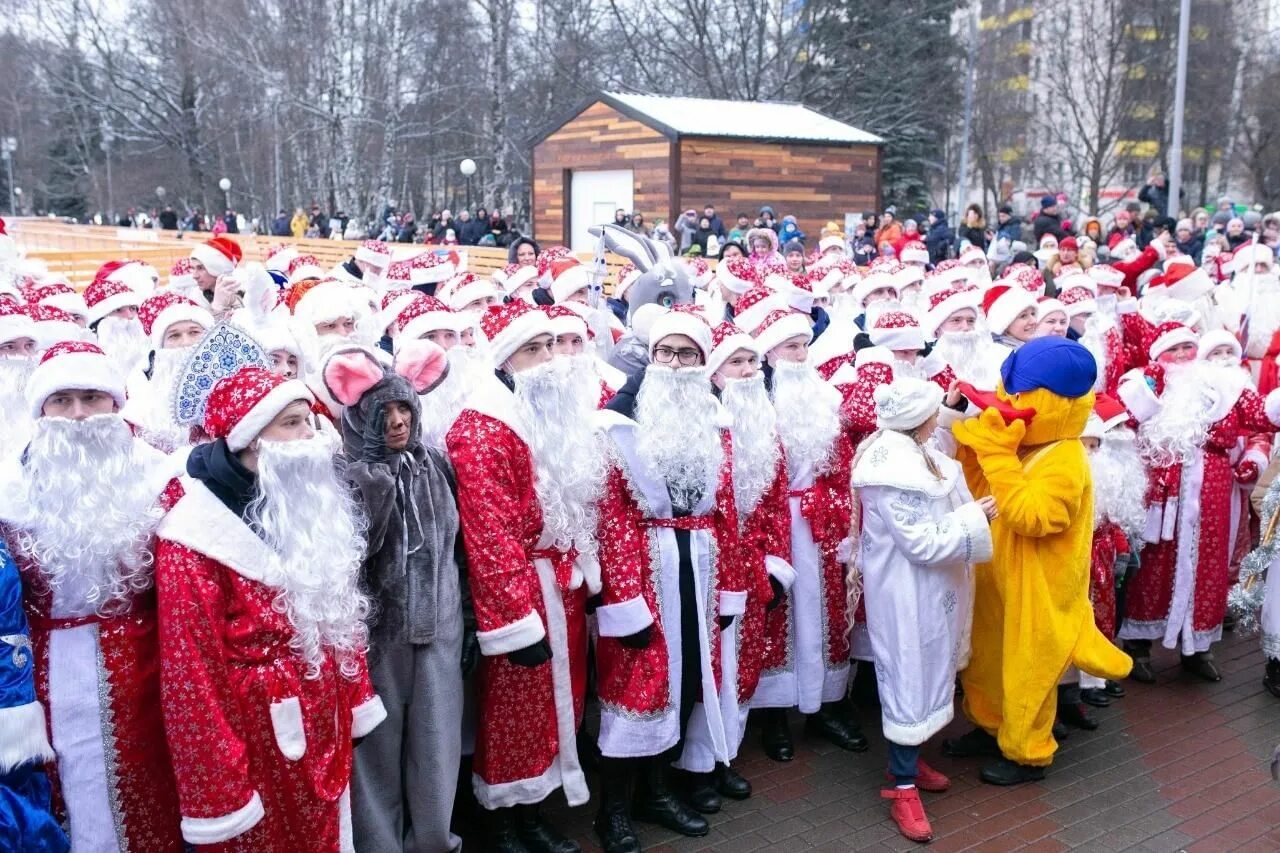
279 261
366 716
178 313
1157 246
957 301
424 324
909 337
326 302
525 631
1007 307
72 303
915 256
215 830
732 603
519 279
726 348
681 323
286 725
214 261
23 736
917 733
74 370
1272 406
477 289
371 256
124 299
1138 398
873 355
517 333
752 317
873 282
845 374
783 329
730 281
1170 339
1211 340
14 326
264 411
624 618
1084 306
1191 286
780 570
571 281
202 523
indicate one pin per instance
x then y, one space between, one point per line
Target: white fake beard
808 415
677 435
1119 481
588 381
914 302
1094 339
329 343
1181 426
124 341
876 309
15 416
441 405
307 517
963 351
1264 314
755 440
1108 304
568 455
154 414
90 513
910 369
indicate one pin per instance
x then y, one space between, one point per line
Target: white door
593 198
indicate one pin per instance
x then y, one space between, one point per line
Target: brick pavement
1182 765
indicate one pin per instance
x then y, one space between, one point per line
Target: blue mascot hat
1063 366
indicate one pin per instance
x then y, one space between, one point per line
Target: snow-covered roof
742 119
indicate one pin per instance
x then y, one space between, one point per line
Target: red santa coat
639 689
1182 588
522 591
98 679
1109 544
261 752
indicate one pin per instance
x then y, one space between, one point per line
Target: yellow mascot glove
988 433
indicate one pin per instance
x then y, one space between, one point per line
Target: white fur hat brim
214 261
782 330
569 282
681 323
180 312
14 326
524 328
726 348
901 338
264 412
1007 307
1171 339
79 371
425 324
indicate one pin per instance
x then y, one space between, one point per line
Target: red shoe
908 813
927 779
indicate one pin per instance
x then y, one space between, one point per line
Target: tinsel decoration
1244 600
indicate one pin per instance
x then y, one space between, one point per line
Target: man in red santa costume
1191 415
953 322
1256 297
529 470
113 317
211 266
673 582
17 360
173 325
427 318
80 514
599 380
262 634
812 624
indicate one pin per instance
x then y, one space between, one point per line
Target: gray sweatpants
406 770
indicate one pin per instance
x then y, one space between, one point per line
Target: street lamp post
225 186
18 192
468 168
107 139
8 145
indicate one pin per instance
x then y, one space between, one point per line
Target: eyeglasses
665 355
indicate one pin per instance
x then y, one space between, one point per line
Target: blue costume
26 822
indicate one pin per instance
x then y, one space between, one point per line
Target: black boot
538 836
1271 680
1114 689
972 745
1060 731
655 803
500 831
1070 711
1140 651
701 793
1202 665
613 821
1095 696
730 783
831 725
775 734
1006 772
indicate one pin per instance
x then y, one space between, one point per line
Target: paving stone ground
1181 765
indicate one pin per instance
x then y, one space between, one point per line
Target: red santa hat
684 320
279 258
972 255
394 303
549 256
218 255
1179 260
1210 341
568 276
242 405
1168 336
897 330
566 321
73 365
877 280
781 326
799 293
304 267
753 306
15 322
1076 279
1108 413
914 252
1002 304
1126 248
1024 277
1250 254
511 326
53 325
515 276
375 253
824 279
180 277
1078 300
738 275
105 295
432 268
1047 305
161 310
1185 283
699 271
907 276
944 303
469 287
726 339
316 302
59 295
422 316
1106 275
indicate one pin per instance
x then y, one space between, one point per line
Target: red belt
561 564
799 493
688 522
48 623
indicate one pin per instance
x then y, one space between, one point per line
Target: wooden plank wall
814 183
599 138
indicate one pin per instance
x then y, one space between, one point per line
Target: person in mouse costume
1031 617
406 771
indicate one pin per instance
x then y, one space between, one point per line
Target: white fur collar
894 460
497 401
201 522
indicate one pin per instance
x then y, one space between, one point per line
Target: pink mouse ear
349 374
423 363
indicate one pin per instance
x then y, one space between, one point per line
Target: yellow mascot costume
1031 614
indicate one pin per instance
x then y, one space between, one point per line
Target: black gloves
531 656
778 593
639 640
470 652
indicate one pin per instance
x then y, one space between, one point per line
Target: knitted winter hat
511 326
73 365
726 339
162 310
243 404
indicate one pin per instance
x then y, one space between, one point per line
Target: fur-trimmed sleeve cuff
1127 306
23 736
977 532
1272 407
215 830
732 603
366 716
519 634
1142 402
624 618
780 570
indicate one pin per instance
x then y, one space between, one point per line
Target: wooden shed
660 156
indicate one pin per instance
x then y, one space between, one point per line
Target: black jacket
938 242
1048 223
